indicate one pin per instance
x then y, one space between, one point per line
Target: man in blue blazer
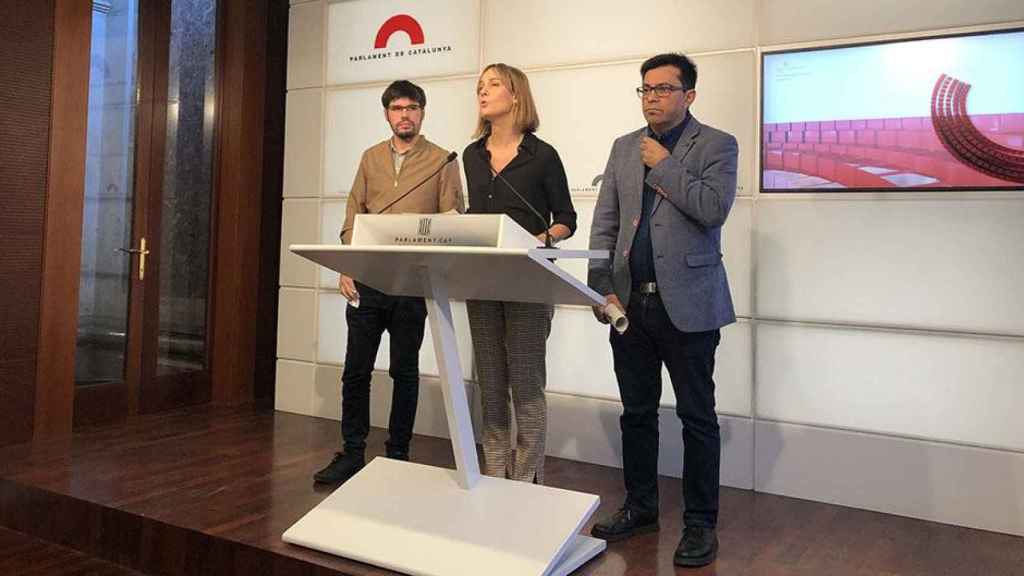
666 192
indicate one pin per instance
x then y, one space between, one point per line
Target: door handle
142 252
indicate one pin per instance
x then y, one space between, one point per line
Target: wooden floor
27 556
210 491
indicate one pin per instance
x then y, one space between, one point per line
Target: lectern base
415 519
583 548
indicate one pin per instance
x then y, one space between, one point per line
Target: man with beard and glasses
404 174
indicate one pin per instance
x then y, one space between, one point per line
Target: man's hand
652 151
348 288
599 309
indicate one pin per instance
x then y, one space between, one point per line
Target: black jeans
690 357
404 319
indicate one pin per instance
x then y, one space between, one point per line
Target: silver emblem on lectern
424 227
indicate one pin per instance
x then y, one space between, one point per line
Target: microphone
448 160
547 232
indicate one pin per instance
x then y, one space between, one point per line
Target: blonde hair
524 111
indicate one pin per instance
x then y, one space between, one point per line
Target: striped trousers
510 346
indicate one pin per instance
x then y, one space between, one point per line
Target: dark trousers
404 319
690 358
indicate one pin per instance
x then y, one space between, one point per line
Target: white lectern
430 521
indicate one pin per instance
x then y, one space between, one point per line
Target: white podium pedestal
429 521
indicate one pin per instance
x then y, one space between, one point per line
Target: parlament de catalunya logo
595 186
411 27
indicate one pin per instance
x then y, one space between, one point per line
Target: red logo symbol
963 139
399 23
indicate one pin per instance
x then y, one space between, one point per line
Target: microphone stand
547 230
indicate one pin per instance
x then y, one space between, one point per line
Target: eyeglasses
661 90
410 108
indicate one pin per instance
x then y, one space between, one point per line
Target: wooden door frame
243 253
62 244
155 393
117 401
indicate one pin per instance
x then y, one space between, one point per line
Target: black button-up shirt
537 174
641 254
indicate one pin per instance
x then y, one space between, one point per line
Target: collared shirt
397 158
536 173
641 259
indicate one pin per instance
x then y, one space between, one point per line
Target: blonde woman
510 338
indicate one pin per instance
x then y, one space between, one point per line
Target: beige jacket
376 186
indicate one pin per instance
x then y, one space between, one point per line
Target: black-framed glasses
411 108
661 90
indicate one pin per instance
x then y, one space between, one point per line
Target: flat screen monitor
938 113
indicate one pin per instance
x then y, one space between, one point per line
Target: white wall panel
428 358
584 206
326 400
587 430
943 264
784 21
306 46
333 333
971 487
726 99
334 336
582 429
945 388
579 359
579 362
733 370
737 254
573 31
450 43
300 222
332 216
584 110
303 137
296 324
294 382
333 330
431 419
355 121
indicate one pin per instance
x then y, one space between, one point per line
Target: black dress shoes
698 547
624 524
341 468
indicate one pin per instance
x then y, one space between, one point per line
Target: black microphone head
451 157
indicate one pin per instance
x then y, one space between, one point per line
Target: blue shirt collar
670 138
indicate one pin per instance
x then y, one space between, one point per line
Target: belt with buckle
647 288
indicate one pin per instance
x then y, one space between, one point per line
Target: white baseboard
973 487
582 429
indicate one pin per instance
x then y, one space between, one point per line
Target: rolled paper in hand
616 317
